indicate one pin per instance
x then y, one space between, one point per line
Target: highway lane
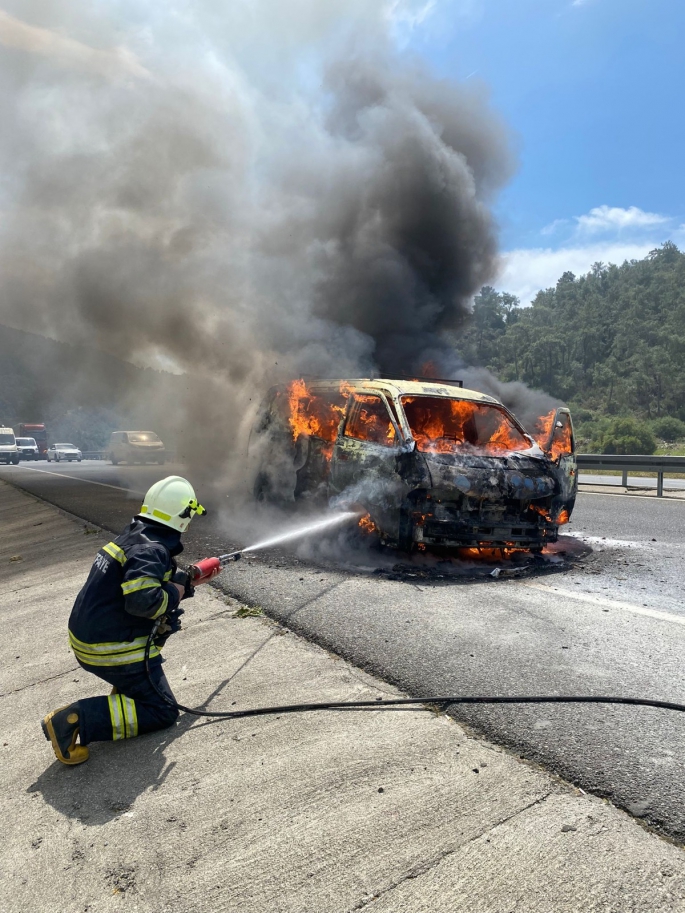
611 623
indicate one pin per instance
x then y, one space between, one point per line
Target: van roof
6 430
402 388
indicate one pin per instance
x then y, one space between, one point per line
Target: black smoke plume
241 194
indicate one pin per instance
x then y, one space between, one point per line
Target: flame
312 414
491 554
554 440
561 518
370 421
367 524
445 425
542 512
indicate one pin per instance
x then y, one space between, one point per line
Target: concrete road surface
612 622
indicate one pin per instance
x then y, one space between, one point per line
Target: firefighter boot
61 728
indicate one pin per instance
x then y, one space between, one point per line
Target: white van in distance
8 446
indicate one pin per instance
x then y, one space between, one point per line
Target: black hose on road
443 702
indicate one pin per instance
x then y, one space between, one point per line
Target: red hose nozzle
205 570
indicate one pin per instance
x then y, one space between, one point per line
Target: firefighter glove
169 624
182 578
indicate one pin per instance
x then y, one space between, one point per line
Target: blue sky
593 92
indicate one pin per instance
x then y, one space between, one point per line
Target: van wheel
16 461
115 462
161 462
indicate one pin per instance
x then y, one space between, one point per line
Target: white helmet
171 501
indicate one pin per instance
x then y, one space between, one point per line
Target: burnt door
365 458
562 450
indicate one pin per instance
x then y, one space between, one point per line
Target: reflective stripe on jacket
127 589
112 654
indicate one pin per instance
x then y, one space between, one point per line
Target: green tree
611 341
626 435
669 429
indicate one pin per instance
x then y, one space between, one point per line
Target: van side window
370 421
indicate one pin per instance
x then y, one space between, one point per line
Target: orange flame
554 440
561 518
489 554
442 425
542 512
312 414
370 421
367 524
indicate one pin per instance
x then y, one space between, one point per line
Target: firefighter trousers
135 708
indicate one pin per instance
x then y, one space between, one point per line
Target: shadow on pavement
108 785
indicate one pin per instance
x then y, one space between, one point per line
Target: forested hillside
611 344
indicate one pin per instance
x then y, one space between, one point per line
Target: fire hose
208 568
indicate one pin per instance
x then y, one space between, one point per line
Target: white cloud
526 271
410 13
607 234
608 220
554 227
435 18
614 218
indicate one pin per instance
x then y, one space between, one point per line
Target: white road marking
608 603
60 475
611 543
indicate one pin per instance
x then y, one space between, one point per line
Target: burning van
429 462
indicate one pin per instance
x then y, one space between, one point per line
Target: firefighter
133 583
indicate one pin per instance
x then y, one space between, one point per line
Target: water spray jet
205 570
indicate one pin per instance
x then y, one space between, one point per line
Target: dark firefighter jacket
127 589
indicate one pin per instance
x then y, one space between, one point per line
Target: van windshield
26 442
6 439
143 437
440 424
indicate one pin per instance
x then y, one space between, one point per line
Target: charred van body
431 463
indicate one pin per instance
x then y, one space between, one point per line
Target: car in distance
431 463
28 448
136 447
59 452
8 446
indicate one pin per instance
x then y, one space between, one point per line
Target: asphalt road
610 621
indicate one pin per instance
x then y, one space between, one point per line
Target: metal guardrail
626 463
